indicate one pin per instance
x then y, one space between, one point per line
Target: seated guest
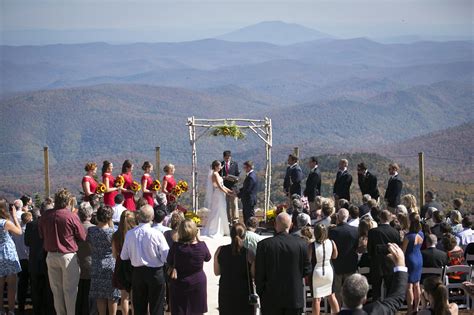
326 212
429 216
231 263
466 236
430 201
456 220
251 238
354 216
356 287
457 204
433 257
437 295
302 220
409 201
342 203
445 229
158 220
364 208
455 255
469 251
118 208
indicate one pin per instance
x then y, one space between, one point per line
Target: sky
42 22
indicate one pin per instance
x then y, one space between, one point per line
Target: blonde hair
90 166
187 231
168 168
410 202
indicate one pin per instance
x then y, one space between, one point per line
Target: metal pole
421 168
158 162
296 152
46 172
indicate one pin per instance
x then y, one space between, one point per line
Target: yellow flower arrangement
183 185
101 189
156 185
228 131
119 181
271 214
135 186
191 215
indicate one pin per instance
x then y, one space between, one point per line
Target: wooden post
421 168
158 162
46 172
296 152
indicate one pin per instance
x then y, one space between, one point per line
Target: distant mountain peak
275 32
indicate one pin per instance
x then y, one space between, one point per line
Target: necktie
227 168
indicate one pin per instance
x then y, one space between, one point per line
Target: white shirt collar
314 168
293 165
249 172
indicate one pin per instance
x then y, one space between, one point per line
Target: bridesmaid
168 182
147 182
89 185
109 182
128 194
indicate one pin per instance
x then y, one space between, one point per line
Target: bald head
342 215
283 222
146 214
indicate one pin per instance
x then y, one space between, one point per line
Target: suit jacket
427 205
394 299
293 178
381 235
434 258
394 191
281 264
342 185
368 185
363 210
248 192
313 185
233 170
346 238
37 256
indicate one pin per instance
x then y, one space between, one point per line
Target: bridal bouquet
101 189
135 186
119 181
156 185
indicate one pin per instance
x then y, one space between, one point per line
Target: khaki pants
337 285
232 209
63 272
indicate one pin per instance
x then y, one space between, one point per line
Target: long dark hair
127 164
105 166
434 287
237 235
415 223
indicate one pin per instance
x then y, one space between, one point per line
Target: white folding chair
427 272
458 285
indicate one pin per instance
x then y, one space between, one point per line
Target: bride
217 223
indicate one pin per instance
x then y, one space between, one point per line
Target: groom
248 192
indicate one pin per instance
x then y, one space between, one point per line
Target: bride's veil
209 190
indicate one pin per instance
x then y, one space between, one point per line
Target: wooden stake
158 162
421 168
46 172
296 152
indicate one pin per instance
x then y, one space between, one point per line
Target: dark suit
313 185
281 264
232 203
363 210
391 304
368 185
381 267
434 258
293 178
342 185
394 191
233 170
248 195
427 205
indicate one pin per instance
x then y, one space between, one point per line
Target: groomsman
230 172
313 182
248 192
342 185
293 177
394 188
367 182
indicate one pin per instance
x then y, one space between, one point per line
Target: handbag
171 270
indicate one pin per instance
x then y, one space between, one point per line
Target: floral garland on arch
228 131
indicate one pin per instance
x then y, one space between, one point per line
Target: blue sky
41 21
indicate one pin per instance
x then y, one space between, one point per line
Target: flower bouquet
101 188
180 188
135 186
119 181
228 131
193 216
156 185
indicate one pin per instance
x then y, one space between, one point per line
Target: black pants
82 301
248 209
377 285
148 288
281 311
41 295
23 283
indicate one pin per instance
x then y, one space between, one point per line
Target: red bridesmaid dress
109 197
92 185
170 184
149 182
129 197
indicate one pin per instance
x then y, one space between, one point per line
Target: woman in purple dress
188 293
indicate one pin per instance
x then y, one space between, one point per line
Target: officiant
230 173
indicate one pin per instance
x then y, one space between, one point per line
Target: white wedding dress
217 223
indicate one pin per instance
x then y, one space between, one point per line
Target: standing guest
302 220
342 185
147 182
445 229
456 219
89 185
466 236
251 237
171 236
127 222
364 226
402 209
103 262
188 291
118 208
327 211
9 262
431 256
394 188
438 297
128 194
27 203
230 173
147 250
109 182
61 245
293 177
231 263
158 220
404 225
367 182
343 203
457 205
353 216
381 267
23 254
168 182
321 254
18 204
281 264
409 201
429 217
364 208
313 183
83 303
438 218
430 201
248 192
411 246
346 239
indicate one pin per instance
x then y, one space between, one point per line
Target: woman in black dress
231 263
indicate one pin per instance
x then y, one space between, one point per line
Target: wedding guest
457 205
118 208
229 172
147 182
147 250
302 220
141 202
401 209
168 182
342 185
109 181
431 256
364 226
466 236
61 245
171 236
438 218
127 222
438 297
158 220
430 201
281 264
455 255
342 203
23 254
84 305
231 263
188 291
89 185
103 263
404 225
18 204
364 208
9 262
251 237
127 192
445 229
353 216
455 217
313 183
27 203
394 188
367 182
409 201
327 211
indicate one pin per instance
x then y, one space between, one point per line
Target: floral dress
9 262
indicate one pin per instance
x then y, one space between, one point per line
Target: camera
382 249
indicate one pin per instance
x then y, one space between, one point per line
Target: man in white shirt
466 236
118 208
158 220
147 250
